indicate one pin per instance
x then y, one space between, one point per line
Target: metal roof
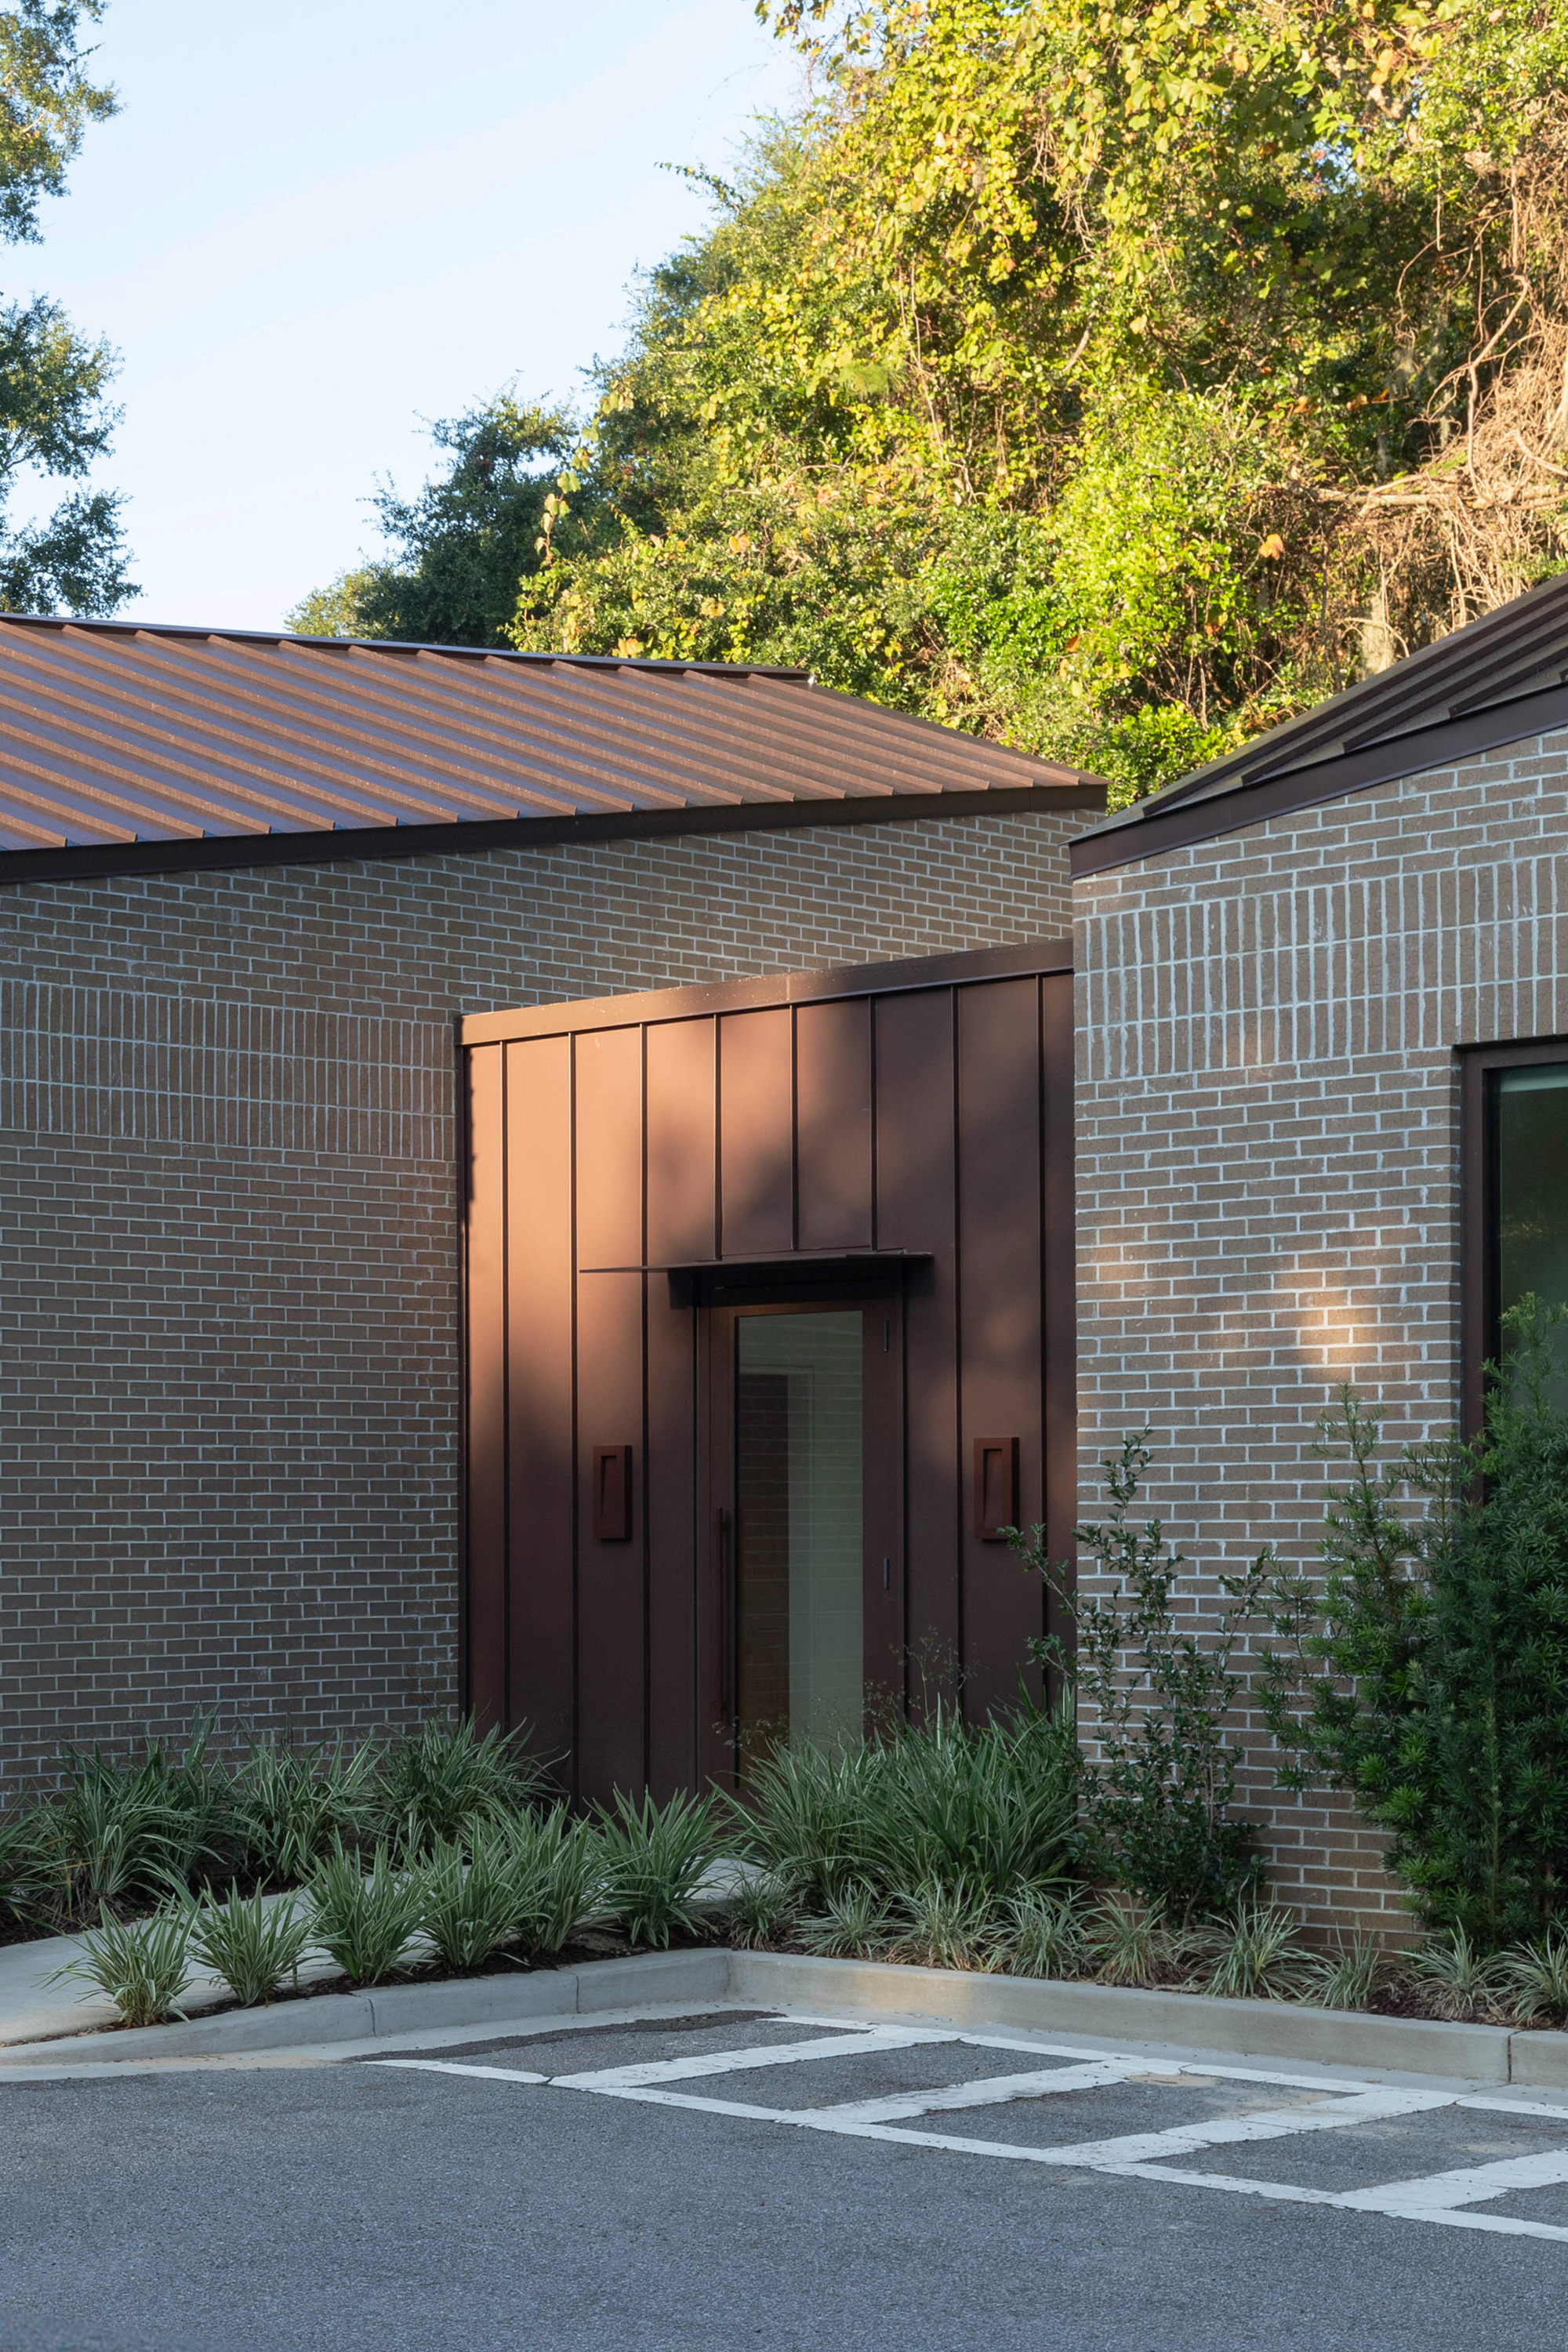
121 744
1491 682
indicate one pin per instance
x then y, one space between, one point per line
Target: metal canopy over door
683 1213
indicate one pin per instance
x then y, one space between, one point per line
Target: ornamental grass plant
449 1780
142 1964
364 1919
252 1943
653 1859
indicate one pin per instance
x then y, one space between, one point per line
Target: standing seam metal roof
115 735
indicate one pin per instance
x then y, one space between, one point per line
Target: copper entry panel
750 1272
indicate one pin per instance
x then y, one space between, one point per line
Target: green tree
54 420
1116 378
461 544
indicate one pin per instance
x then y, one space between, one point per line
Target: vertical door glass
1533 1188
800 1638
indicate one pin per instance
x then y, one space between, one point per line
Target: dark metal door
803 1619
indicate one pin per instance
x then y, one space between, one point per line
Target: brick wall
1268 1169
228 1375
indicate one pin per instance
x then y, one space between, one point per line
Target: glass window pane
1533 1185
800 1604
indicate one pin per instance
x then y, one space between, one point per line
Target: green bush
1425 1671
251 1944
1161 1780
449 1780
654 1858
119 1832
143 1966
991 1811
558 1868
364 1919
293 1805
469 1901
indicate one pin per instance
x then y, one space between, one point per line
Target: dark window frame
1478 1315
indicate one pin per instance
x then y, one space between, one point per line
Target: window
1516 1194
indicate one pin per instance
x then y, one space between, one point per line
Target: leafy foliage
143 1965
1425 1674
460 545
1162 1778
991 1808
253 1944
364 1919
449 1778
1109 377
54 420
654 1859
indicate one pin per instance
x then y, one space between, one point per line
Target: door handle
726 1617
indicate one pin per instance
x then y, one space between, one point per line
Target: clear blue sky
313 223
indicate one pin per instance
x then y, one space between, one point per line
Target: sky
314 225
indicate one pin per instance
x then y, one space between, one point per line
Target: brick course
228 1441
1268 1161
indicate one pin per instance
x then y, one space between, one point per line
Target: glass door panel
800 1528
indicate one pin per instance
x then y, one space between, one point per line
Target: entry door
805 1606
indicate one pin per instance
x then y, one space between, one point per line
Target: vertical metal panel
682 1141
756 1155
681 1064
485 1325
672 1531
1058 1271
917 1210
539 1433
1000 1336
833 1124
611 1627
608 1088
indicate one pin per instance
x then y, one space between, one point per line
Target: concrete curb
1114 2013
330 2018
1263 2030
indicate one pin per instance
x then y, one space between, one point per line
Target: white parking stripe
993 2090
1468 2186
450 2066
1448 2199
741 2062
1278 2123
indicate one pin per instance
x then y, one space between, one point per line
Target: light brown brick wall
1267 1170
229 1372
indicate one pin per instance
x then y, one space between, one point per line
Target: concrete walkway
33 2008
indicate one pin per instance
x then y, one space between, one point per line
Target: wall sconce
612 1494
995 1487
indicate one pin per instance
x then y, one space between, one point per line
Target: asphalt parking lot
739 2179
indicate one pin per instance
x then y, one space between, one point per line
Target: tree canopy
53 416
1115 376
460 547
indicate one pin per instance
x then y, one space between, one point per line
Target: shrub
119 1832
1163 1777
1425 1671
469 1904
143 1967
993 1807
1534 1979
1350 1979
559 1868
854 1924
654 1858
447 1781
293 1805
1254 1954
364 1919
252 1945
1046 1936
